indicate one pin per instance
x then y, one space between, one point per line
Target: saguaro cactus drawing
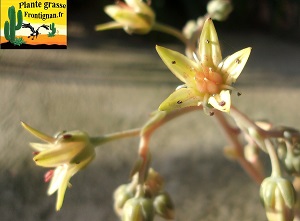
53 30
10 26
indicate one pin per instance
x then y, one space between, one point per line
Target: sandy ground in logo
42 39
113 86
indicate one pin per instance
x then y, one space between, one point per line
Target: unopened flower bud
281 149
154 182
290 157
292 162
138 209
278 197
121 195
251 152
164 206
230 152
219 9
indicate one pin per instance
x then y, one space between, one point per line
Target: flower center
208 81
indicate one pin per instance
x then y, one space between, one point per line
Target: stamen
222 103
48 176
34 153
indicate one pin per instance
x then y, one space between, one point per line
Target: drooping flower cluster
208 79
66 153
134 16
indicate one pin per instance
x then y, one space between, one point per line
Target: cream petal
84 154
184 97
217 99
234 64
72 170
140 7
59 175
209 47
61 154
129 19
38 134
41 146
62 190
181 66
76 167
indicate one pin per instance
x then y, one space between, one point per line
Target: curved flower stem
157 120
231 135
276 172
171 31
108 25
152 126
115 136
190 48
246 122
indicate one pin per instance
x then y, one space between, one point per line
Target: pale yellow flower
208 78
134 16
66 153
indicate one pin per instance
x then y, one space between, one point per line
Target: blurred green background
110 81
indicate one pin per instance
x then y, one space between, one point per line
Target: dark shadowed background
107 82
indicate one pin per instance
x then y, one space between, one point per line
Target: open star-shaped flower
208 79
66 153
134 16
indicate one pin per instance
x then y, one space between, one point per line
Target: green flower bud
281 149
290 157
138 209
219 9
164 206
121 195
292 162
278 197
154 182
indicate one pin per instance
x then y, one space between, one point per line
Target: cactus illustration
10 26
52 27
